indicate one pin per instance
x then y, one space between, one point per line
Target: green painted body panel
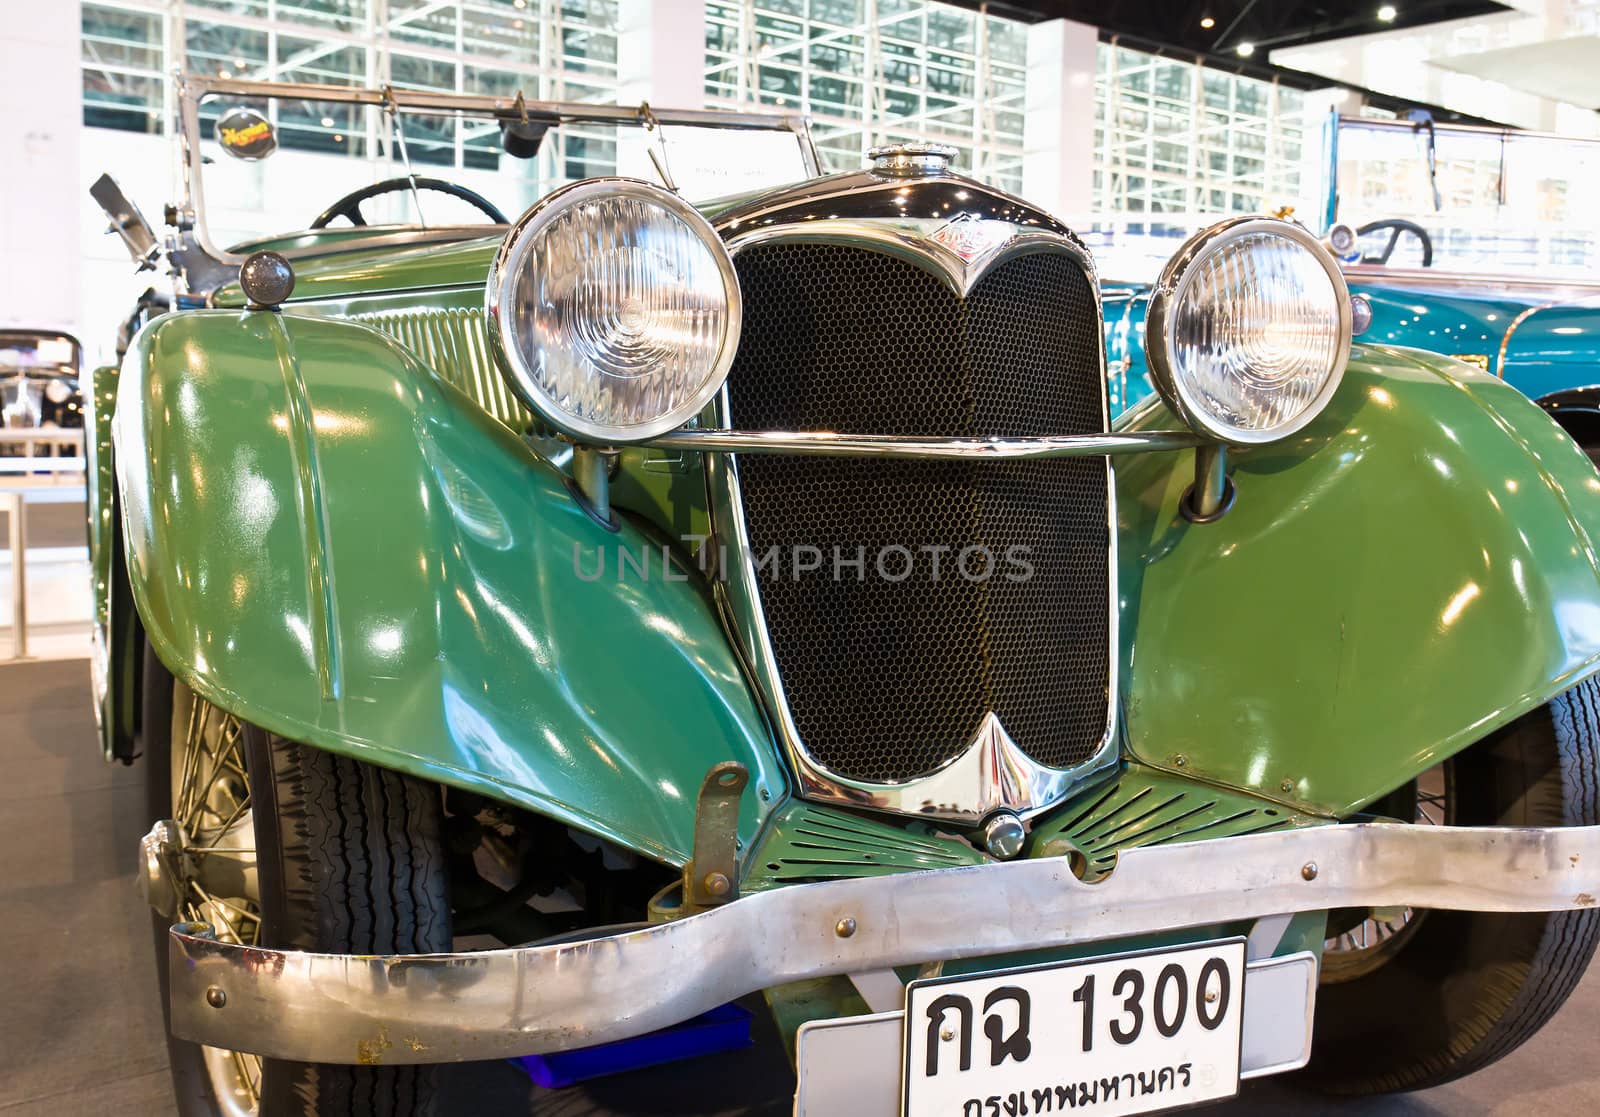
331 541
1413 570
809 842
1147 807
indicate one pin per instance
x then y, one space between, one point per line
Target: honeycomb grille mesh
889 679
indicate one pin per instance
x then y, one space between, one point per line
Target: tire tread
364 844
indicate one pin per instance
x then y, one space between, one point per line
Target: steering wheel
350 205
1396 226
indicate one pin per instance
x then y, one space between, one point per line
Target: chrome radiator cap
912 159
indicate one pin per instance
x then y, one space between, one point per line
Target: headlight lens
1250 330
615 309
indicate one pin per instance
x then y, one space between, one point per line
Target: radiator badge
972 237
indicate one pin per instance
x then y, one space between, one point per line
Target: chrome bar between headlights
829 445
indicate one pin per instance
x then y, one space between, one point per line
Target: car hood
914 207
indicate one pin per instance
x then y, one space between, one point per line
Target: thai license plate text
1128 1034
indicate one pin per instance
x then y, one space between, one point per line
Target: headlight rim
1166 294
501 285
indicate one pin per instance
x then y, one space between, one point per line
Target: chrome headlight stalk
1247 337
615 310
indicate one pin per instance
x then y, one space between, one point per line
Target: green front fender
327 540
1413 570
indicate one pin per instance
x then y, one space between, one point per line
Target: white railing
33 479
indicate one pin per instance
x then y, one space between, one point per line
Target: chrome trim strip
1376 124
428 101
826 444
1512 327
993 773
334 1008
1517 286
882 235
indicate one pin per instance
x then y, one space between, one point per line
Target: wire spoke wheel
1353 950
211 809
277 844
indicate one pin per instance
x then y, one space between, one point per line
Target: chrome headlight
1249 330
615 310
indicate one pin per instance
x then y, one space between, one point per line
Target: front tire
1453 991
348 858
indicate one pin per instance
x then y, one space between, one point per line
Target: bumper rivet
845 927
1180 761
1309 870
1286 786
716 884
215 997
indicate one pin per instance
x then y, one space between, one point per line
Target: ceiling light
327 122
1387 13
1246 49
1207 23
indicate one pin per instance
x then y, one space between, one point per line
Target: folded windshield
267 159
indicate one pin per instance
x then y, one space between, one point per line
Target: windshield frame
193 88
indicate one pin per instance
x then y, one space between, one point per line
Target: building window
124 63
548 49
1172 136
874 71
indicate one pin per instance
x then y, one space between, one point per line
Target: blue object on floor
722 1029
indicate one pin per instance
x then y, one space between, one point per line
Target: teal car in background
1470 242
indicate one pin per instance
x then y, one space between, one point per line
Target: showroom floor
80 1031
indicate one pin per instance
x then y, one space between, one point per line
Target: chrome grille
454 343
889 680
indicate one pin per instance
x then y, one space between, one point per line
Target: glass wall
870 71
549 49
1172 136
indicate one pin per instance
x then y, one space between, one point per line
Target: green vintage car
538 634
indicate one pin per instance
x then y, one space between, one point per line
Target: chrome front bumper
451 1007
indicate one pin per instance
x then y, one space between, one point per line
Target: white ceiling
1556 69
1537 66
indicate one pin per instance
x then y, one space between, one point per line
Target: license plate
1127 1034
